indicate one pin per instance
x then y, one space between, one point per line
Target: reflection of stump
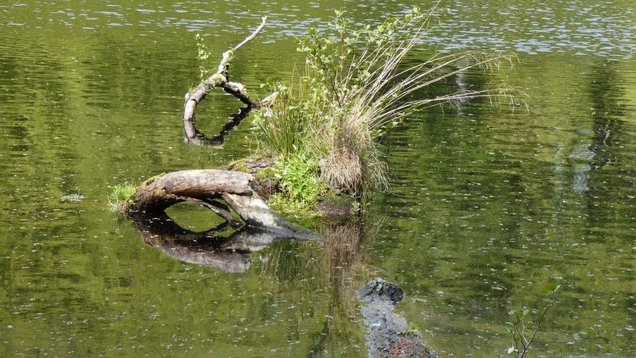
217 190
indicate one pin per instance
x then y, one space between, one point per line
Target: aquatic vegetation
517 325
121 196
356 86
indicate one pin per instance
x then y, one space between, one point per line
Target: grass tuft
356 86
121 197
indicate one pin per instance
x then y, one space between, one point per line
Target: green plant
204 56
355 87
358 79
282 129
298 178
517 325
300 212
121 196
300 186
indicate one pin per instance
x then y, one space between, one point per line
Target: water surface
485 207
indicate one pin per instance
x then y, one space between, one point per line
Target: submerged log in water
388 334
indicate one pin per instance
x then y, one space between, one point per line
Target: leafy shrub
298 178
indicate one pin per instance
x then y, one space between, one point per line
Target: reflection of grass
291 261
120 197
320 272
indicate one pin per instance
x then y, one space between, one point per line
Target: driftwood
222 192
220 79
229 194
217 190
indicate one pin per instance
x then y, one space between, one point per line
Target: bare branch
253 35
219 79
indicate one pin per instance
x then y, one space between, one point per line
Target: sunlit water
486 206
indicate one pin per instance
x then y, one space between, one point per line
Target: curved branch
219 79
205 185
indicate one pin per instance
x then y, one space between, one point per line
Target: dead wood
221 79
216 190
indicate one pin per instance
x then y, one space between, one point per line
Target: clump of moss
239 165
338 206
412 330
268 173
251 165
297 211
121 198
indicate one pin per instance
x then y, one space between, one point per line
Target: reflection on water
228 253
485 207
488 208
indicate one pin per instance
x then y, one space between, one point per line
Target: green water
485 208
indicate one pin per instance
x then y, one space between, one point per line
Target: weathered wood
219 79
165 190
206 185
201 183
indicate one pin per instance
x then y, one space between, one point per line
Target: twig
536 329
253 35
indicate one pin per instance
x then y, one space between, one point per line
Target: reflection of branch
235 120
228 254
218 140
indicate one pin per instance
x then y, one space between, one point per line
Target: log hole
198 219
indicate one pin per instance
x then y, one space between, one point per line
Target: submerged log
388 334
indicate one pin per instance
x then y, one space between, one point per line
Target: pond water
486 206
